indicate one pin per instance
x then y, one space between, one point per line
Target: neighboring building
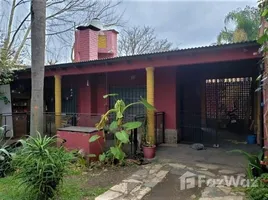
196 88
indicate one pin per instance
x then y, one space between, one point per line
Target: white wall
6 110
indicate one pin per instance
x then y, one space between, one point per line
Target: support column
150 99
57 101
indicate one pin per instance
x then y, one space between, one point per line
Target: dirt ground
108 177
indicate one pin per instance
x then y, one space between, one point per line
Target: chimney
86 45
92 44
107 44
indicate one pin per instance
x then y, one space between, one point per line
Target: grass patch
74 187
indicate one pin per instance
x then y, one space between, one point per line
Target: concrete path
137 185
182 182
175 181
182 153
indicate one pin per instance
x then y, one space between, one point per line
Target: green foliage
132 125
259 188
6 76
41 166
102 157
118 153
246 23
254 168
113 126
94 138
4 98
121 131
5 155
264 38
122 136
74 187
6 66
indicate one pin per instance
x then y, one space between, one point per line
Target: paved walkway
174 181
182 153
137 185
182 182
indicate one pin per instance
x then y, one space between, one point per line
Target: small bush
259 188
41 166
5 155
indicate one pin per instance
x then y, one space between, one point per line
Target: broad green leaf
119 115
265 13
262 39
259 77
109 95
102 157
119 106
147 105
260 155
117 153
132 125
113 126
122 136
94 138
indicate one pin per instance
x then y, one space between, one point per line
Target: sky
184 23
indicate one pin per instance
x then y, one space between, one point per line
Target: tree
38 26
62 18
246 26
138 40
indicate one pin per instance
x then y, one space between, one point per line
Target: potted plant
148 145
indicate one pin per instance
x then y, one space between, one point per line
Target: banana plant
120 129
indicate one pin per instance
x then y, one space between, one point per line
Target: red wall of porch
165 94
90 98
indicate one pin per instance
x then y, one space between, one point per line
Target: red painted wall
91 98
165 94
100 90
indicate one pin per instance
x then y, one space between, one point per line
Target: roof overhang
190 56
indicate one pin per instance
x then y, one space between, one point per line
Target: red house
207 93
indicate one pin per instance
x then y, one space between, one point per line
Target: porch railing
21 122
21 125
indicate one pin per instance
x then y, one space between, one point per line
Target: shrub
41 166
5 155
259 188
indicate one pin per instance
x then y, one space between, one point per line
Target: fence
199 128
21 126
18 124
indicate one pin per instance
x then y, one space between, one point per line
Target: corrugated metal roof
160 53
230 45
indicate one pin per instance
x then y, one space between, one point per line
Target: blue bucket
251 139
